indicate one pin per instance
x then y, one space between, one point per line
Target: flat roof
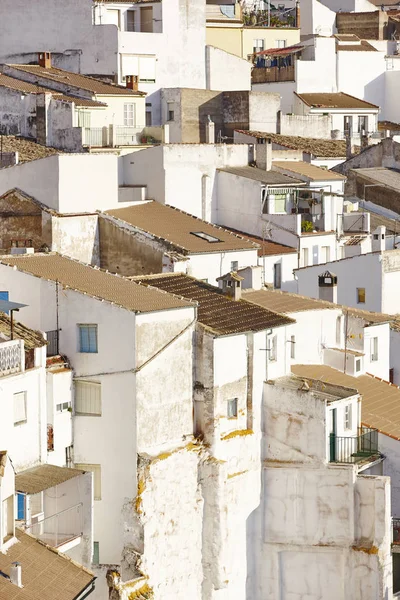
328 391
288 302
76 80
94 282
40 478
216 311
335 100
380 407
181 229
315 146
31 88
263 176
312 172
387 177
46 573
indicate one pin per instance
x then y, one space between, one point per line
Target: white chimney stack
16 574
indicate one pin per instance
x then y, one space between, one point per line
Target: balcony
114 136
12 357
272 74
60 529
354 450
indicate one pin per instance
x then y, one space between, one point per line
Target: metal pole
12 324
57 322
346 324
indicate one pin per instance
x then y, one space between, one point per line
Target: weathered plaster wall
21 219
219 67
77 237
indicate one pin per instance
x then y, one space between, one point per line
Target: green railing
353 449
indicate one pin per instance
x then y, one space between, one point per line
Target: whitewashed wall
219 68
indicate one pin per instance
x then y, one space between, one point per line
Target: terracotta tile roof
27 149
280 51
355 240
314 146
46 573
83 82
380 406
287 302
267 248
31 88
306 169
267 177
94 282
177 228
32 339
335 100
40 478
218 313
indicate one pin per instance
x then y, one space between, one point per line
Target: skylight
205 236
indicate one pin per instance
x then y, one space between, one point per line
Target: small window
326 254
338 330
88 338
358 365
232 409
348 416
292 346
20 416
205 236
281 43
170 112
278 276
376 236
273 349
305 257
258 45
64 406
96 553
129 115
130 20
374 349
21 507
280 203
361 295
96 470
234 266
88 398
347 124
363 124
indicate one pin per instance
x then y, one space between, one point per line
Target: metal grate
52 338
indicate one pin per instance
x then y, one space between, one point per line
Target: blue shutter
4 296
92 333
88 338
21 507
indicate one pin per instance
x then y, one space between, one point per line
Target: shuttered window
88 338
96 470
147 69
87 398
19 408
129 115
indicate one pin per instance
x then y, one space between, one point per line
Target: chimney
16 574
327 284
132 82
264 154
298 14
231 285
210 131
379 239
44 60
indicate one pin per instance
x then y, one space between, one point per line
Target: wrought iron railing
52 342
353 449
11 357
59 528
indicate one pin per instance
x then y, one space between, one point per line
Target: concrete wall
390 448
287 261
77 237
219 68
305 126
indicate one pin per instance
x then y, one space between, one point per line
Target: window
96 470
325 254
234 265
374 349
20 408
88 398
130 20
68 456
258 45
146 19
361 295
363 124
348 416
339 330
305 257
347 124
206 236
273 349
96 553
83 118
292 346
232 410
281 43
358 365
149 119
21 507
63 407
112 17
277 276
170 111
280 203
129 115
147 69
88 338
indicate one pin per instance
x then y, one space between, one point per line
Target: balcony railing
353 449
59 528
11 357
272 74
